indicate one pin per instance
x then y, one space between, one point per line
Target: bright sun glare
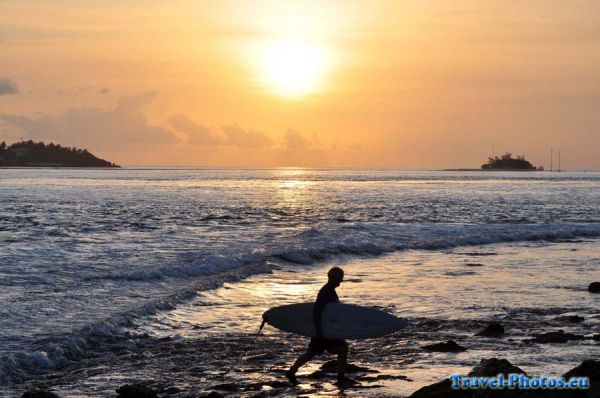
293 68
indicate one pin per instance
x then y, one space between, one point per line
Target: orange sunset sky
398 84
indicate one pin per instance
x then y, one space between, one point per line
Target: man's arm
317 314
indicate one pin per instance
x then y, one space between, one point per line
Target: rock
449 346
493 329
595 337
571 318
39 394
442 389
136 391
275 384
556 337
594 287
172 390
392 377
588 368
213 394
493 366
331 366
487 367
226 387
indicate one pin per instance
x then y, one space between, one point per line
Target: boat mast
559 160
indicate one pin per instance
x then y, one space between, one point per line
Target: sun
293 68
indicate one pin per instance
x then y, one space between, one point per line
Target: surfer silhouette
319 344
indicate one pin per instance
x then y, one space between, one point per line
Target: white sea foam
57 350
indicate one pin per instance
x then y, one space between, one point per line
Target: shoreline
244 365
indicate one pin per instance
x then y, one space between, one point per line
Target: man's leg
342 360
302 359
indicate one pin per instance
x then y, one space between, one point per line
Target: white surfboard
339 321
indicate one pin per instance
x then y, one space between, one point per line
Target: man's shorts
333 346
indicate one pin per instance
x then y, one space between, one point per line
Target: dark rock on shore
331 366
212 394
136 391
272 385
594 287
588 368
226 387
39 394
441 389
383 377
494 366
478 253
571 318
449 346
493 329
556 337
171 390
487 367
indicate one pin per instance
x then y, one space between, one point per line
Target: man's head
336 276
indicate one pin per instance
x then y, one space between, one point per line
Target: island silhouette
39 154
507 162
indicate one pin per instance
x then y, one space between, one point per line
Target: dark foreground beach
202 368
208 345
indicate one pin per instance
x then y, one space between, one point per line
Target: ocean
102 264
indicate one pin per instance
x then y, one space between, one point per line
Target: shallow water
209 342
87 254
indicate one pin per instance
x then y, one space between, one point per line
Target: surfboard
339 321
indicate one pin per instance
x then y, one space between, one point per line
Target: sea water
89 253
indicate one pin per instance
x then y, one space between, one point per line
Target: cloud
105 90
196 133
294 140
118 128
232 135
8 86
235 135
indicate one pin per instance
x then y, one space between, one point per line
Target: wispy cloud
196 133
293 139
8 86
235 135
